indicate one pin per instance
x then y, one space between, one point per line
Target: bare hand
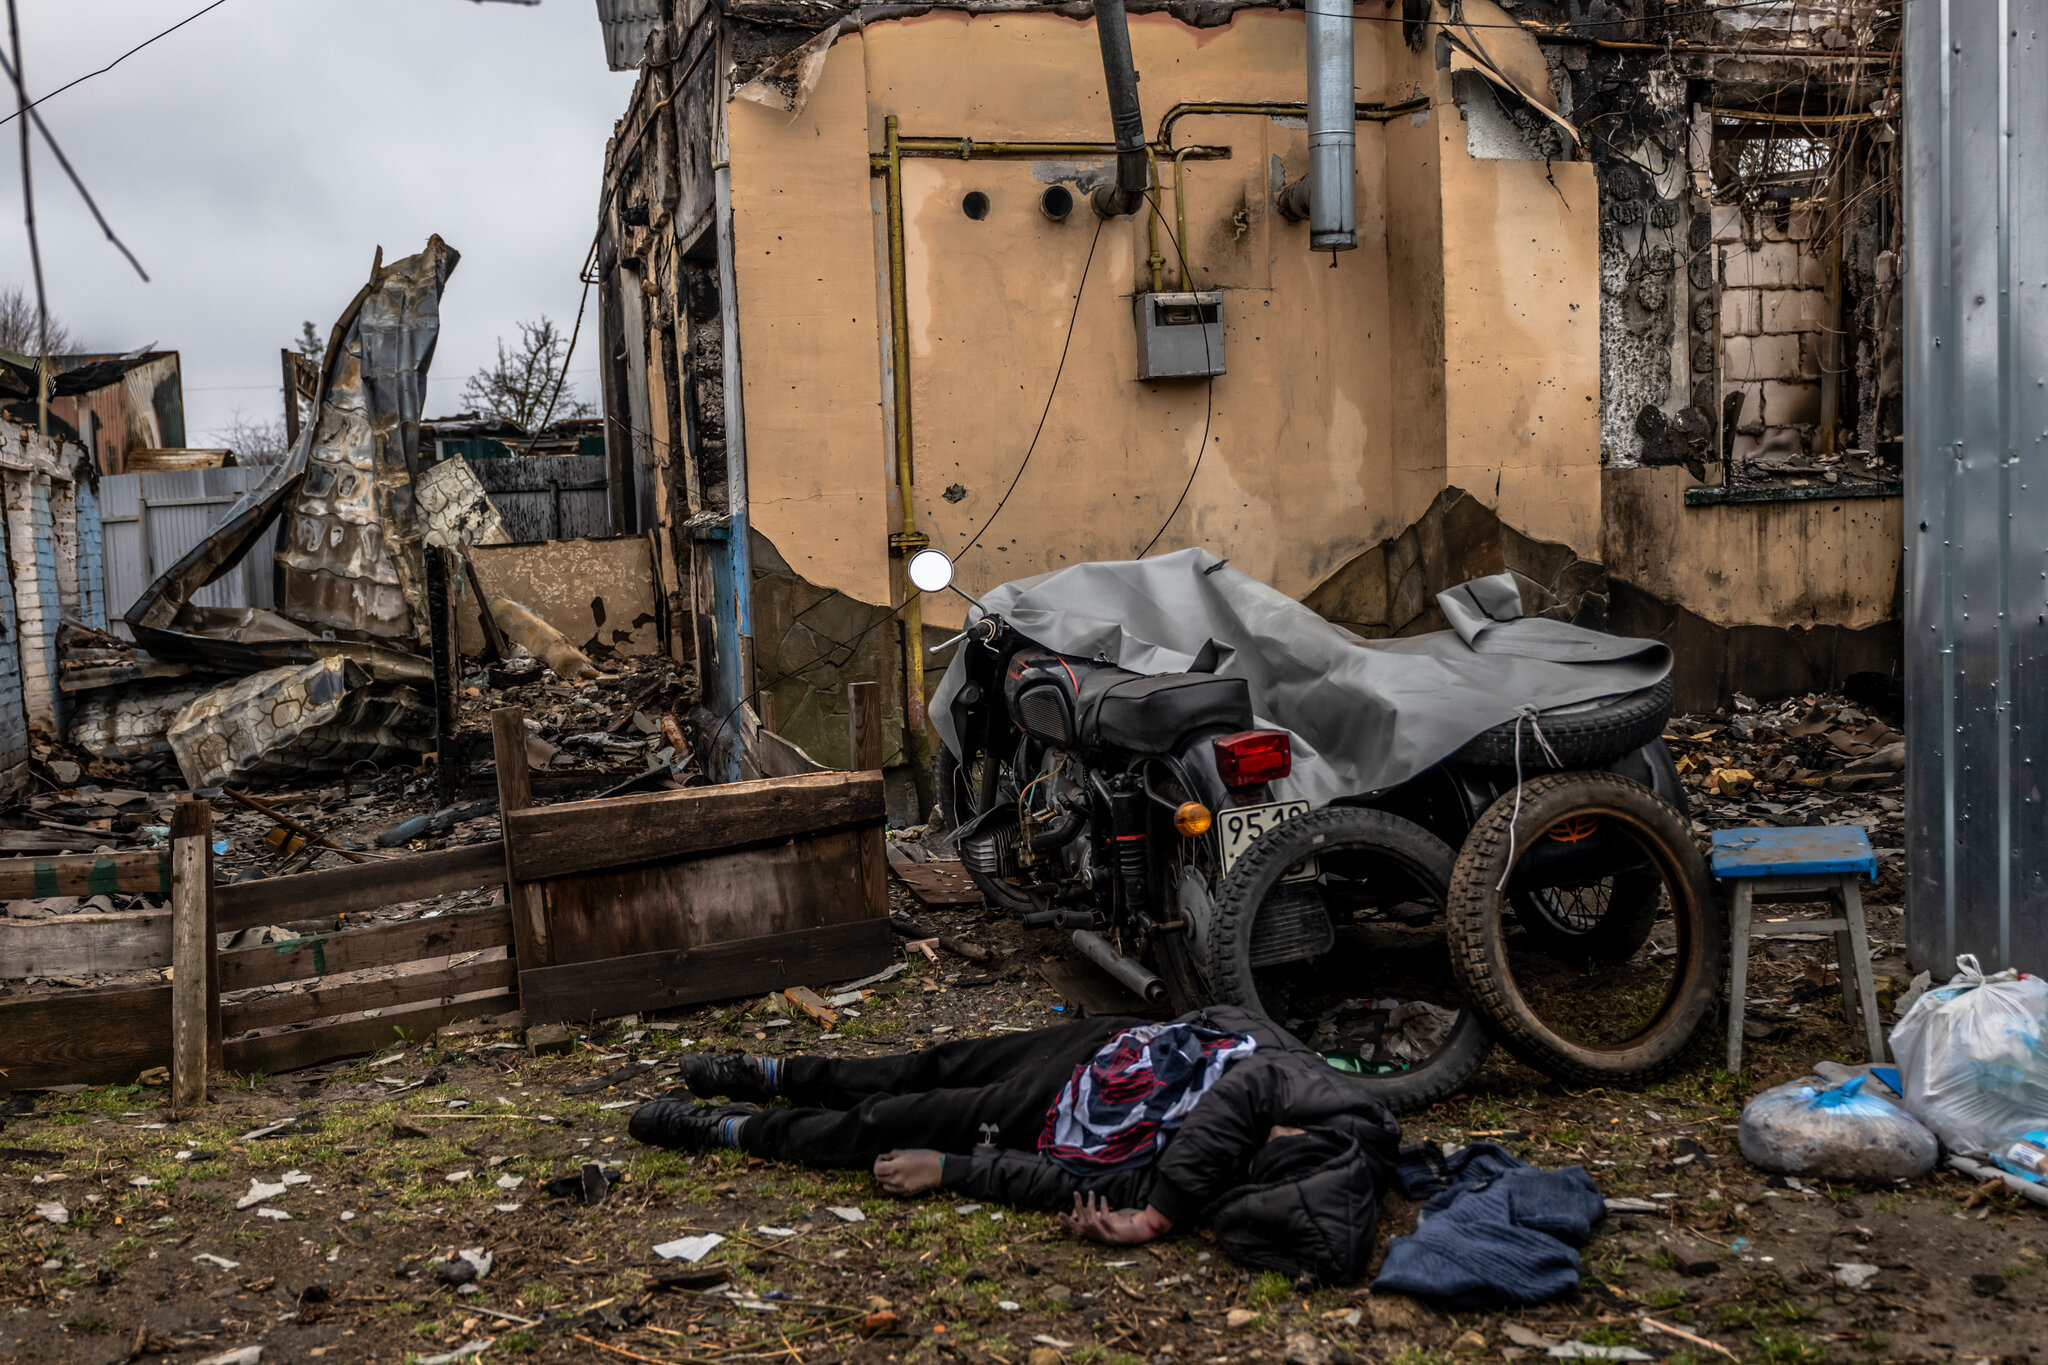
910 1172
1094 1218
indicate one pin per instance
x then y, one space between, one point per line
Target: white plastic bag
1971 1058
1826 1132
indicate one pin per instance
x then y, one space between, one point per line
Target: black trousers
952 1097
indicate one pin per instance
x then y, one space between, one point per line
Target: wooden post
864 725
864 736
448 765
494 638
291 396
515 792
195 984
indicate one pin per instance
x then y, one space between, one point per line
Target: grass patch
1270 1290
1789 1348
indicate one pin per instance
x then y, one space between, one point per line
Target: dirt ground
398 1161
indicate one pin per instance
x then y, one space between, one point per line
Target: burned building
1615 311
115 405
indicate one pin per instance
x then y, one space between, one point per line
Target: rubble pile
1805 761
624 726
332 696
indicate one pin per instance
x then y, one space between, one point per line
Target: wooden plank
937 882
718 971
104 1037
864 744
800 884
346 890
298 1007
864 726
190 948
270 1053
86 874
530 931
591 836
350 950
76 945
192 819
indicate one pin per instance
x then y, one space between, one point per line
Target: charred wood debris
350 724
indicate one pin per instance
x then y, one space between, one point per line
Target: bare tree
520 386
254 440
18 330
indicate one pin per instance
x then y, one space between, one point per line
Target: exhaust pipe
1120 79
1147 986
1332 128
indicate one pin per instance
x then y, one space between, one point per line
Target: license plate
1242 824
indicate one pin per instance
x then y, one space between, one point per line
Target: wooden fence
611 906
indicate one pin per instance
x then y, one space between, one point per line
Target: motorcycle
1138 813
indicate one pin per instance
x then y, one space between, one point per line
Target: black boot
685 1126
734 1075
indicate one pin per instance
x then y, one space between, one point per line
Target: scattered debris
692 1249
1585 1350
259 1193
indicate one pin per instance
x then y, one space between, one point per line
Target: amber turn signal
1192 819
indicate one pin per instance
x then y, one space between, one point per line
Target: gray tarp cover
1365 714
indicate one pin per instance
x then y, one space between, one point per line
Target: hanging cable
65 162
28 104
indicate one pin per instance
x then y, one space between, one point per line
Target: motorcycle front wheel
1369 889
959 785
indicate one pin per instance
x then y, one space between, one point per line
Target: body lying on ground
1131 1129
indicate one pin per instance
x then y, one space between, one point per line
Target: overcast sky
256 158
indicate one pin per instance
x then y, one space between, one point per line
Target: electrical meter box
1180 336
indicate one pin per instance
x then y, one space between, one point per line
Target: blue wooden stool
1768 865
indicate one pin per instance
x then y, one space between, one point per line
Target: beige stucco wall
818 471
1825 562
1458 344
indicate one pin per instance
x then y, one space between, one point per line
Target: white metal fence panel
148 521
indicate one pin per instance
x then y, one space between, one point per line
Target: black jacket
1307 1206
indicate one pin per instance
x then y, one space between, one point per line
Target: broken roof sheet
351 563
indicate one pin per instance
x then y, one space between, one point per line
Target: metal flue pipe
1332 128
1120 79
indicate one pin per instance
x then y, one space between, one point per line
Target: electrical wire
569 354
1072 318
1209 396
77 183
30 104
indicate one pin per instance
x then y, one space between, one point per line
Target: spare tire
1651 1028
1584 735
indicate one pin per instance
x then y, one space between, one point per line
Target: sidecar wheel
1353 847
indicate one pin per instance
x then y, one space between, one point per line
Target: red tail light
1250 757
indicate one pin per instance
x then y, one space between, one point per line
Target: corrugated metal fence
149 520
1976 483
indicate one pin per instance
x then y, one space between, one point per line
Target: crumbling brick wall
92 570
32 564
1773 311
13 717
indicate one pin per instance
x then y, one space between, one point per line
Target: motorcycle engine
990 851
